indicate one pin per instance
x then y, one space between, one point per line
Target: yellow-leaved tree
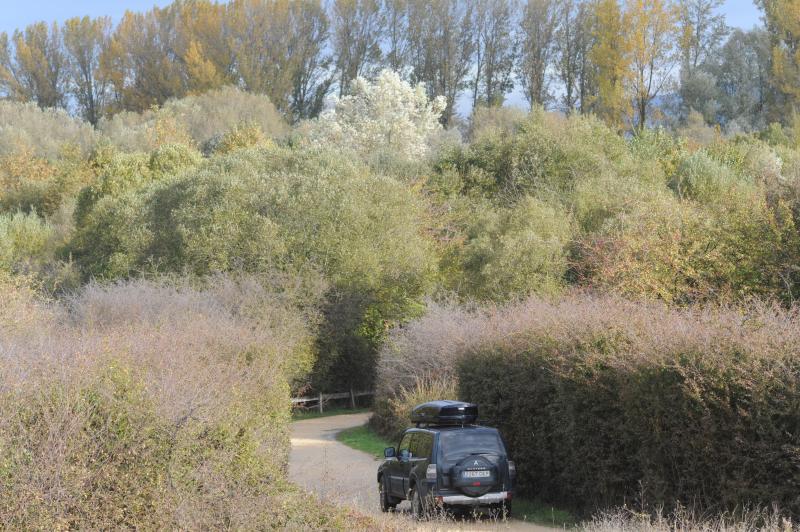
611 57
653 36
783 24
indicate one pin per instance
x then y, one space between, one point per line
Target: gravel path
339 474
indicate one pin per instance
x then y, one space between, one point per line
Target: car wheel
387 502
501 510
418 510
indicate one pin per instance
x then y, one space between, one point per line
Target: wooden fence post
352 399
320 402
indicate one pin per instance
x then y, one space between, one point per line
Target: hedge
698 408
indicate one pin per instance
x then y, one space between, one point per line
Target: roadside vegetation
189 235
603 400
101 430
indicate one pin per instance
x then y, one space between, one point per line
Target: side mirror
389 452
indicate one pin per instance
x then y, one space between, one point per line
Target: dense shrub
268 208
216 112
119 173
547 157
172 159
159 406
197 120
487 121
29 182
510 252
262 207
683 253
701 178
24 239
646 216
44 133
605 402
242 136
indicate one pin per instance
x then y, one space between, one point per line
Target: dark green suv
447 462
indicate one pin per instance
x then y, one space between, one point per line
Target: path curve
336 473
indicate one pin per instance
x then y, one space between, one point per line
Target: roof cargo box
445 413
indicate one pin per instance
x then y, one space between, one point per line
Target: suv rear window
456 445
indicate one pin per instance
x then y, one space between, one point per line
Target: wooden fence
323 398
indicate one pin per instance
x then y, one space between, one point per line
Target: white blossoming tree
388 114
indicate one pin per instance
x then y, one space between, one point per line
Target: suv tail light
430 473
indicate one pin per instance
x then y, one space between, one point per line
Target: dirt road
339 474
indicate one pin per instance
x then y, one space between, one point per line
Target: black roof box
445 413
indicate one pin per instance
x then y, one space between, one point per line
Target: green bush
511 252
270 208
120 173
31 183
171 159
25 240
242 136
681 252
701 178
547 157
487 121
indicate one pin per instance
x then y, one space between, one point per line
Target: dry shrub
393 413
428 349
197 120
625 520
44 132
487 121
150 405
604 400
242 136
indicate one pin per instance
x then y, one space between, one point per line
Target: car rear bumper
464 500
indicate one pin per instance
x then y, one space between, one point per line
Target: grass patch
299 415
364 439
542 514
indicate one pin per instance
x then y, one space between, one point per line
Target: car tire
418 509
388 503
501 510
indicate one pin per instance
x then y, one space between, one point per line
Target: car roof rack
444 413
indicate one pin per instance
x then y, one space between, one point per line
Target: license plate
476 474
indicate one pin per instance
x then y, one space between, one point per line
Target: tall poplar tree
610 57
537 48
357 26
783 23
653 39
33 66
495 51
84 42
